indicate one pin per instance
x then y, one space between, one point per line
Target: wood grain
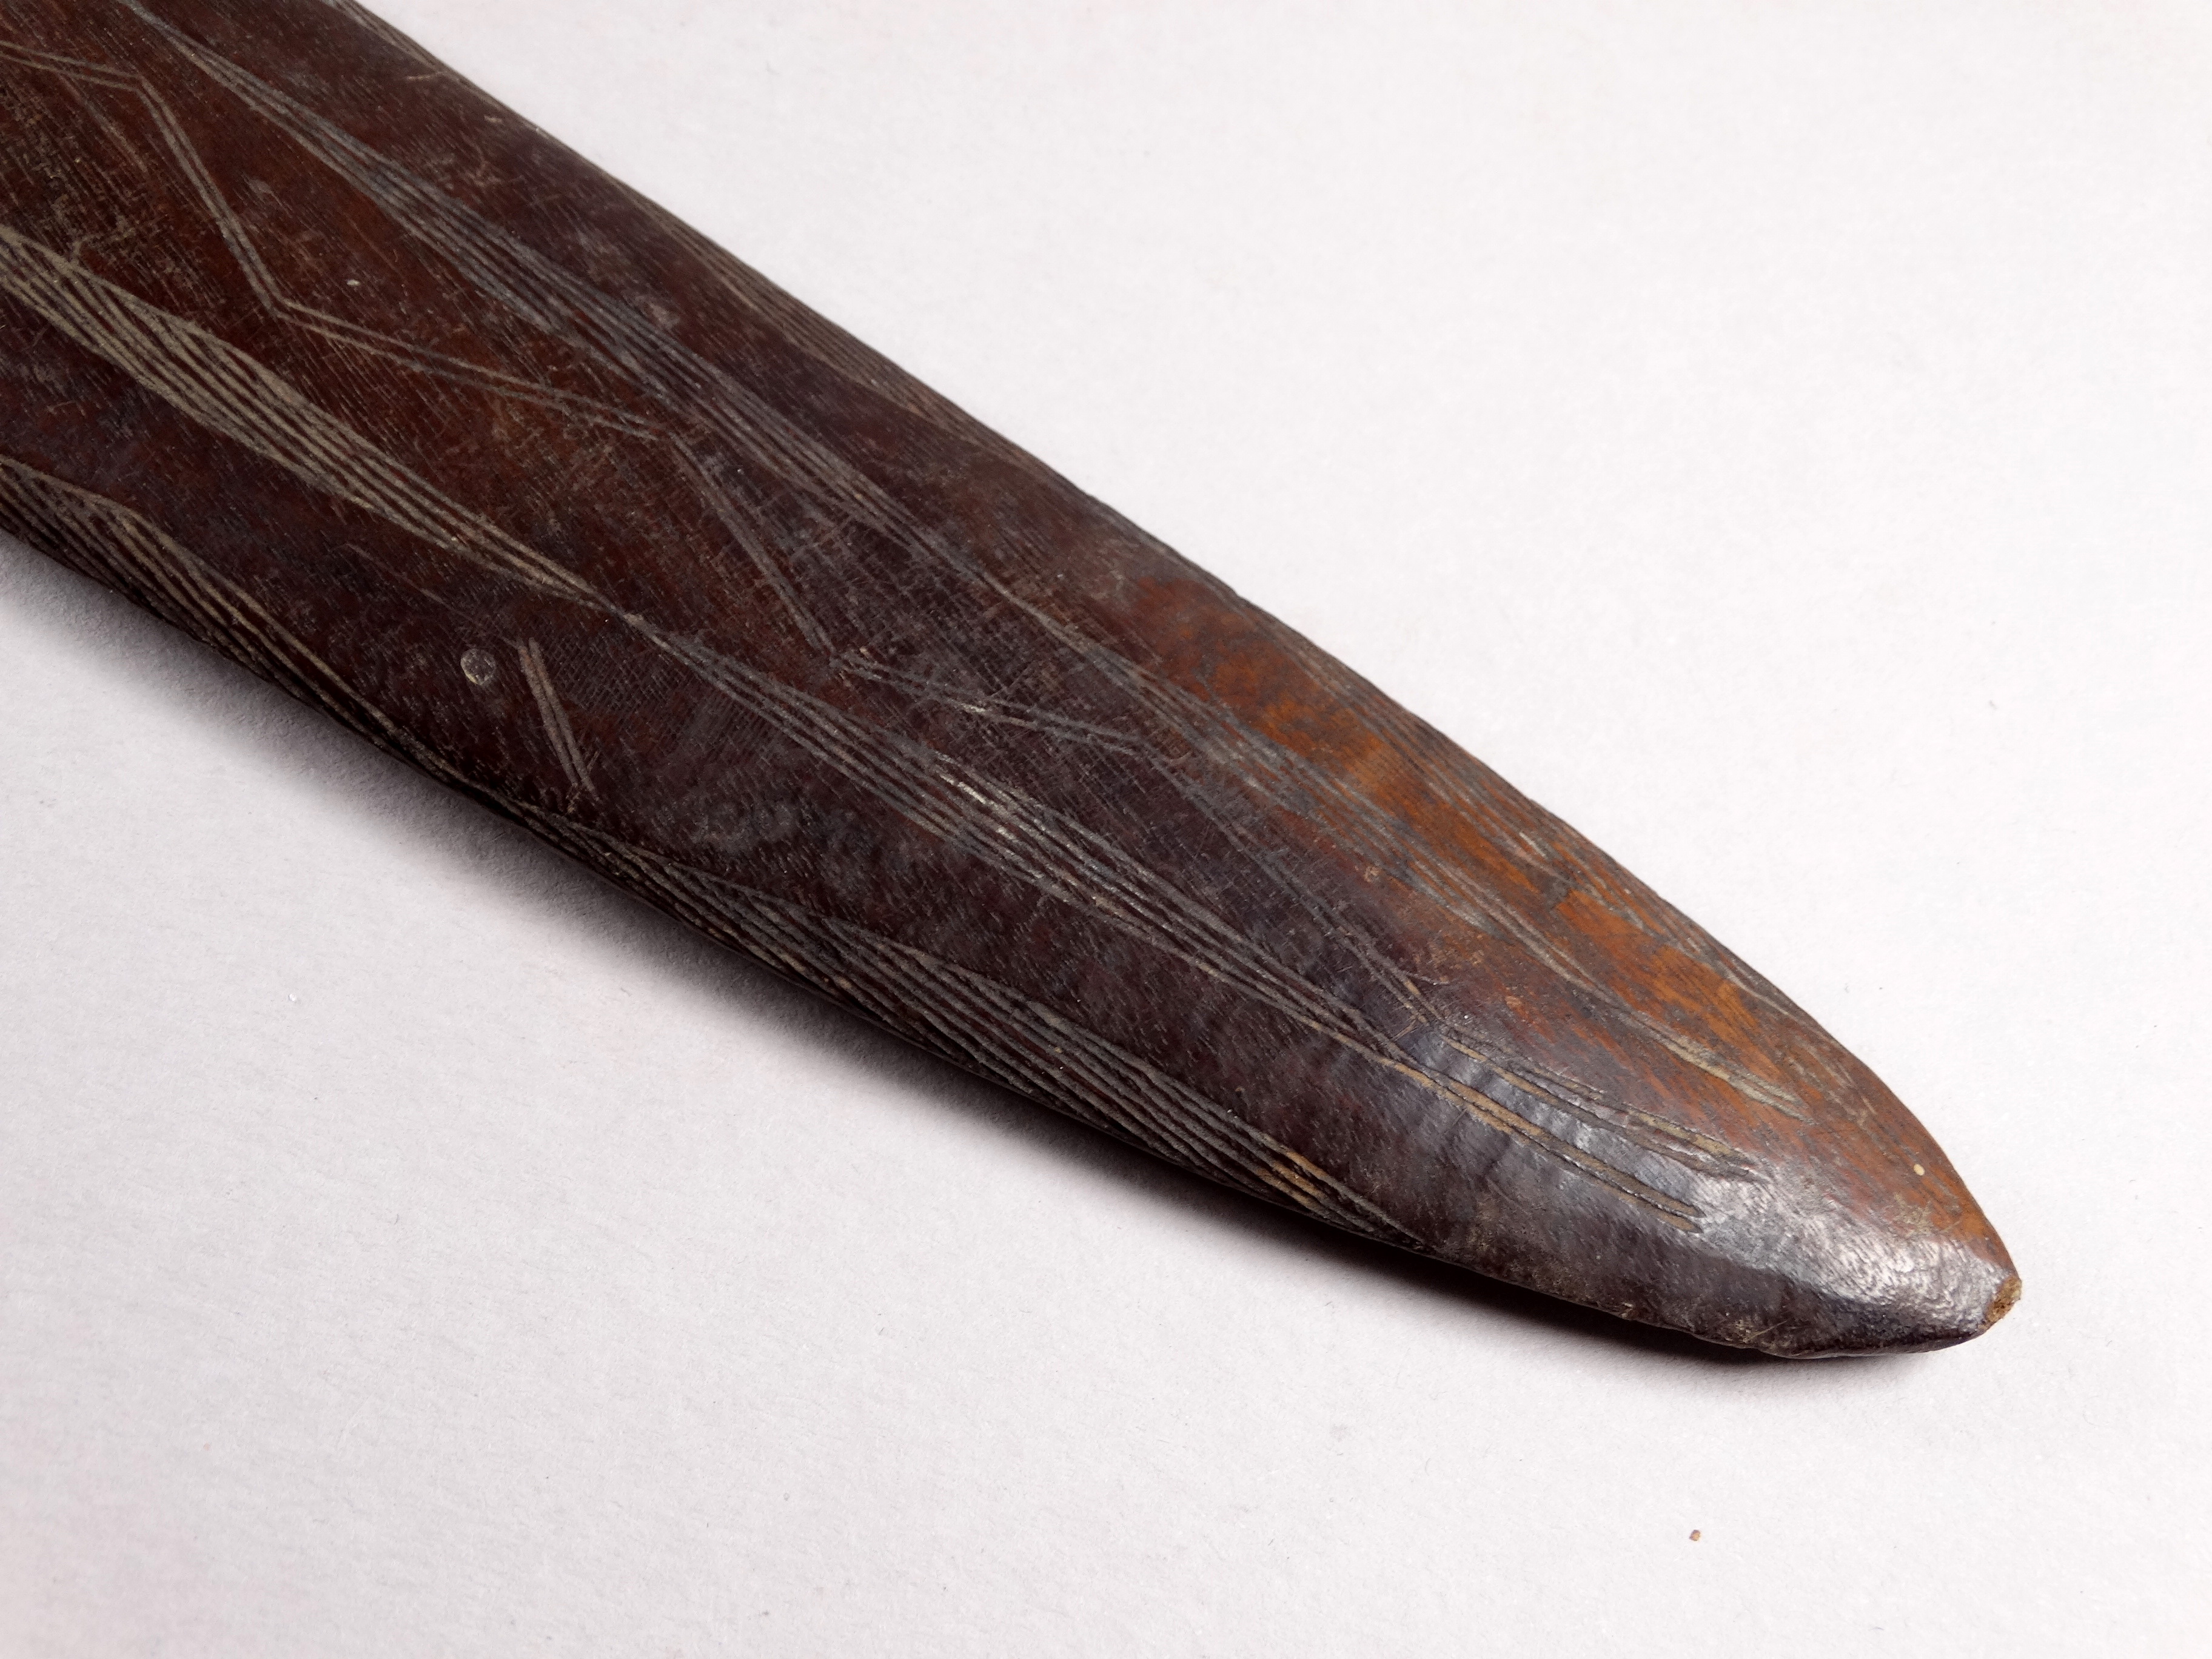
325 357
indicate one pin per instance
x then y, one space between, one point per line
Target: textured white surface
1775 437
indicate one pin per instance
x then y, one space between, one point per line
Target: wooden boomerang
325 357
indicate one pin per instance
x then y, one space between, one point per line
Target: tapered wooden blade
325 357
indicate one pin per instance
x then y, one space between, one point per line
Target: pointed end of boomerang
1798 1276
1936 1292
1770 1193
1945 1289
1837 1259
1883 1249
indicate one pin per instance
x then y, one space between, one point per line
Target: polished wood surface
327 358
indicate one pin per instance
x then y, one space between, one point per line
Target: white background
1774 436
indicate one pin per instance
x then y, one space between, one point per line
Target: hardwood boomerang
323 355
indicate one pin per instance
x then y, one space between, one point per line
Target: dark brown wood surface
327 358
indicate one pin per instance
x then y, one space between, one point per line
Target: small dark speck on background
1695 1535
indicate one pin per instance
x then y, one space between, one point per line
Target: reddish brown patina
327 358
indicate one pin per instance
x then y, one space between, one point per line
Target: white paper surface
1776 437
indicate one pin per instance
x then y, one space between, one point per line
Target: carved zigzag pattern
228 391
